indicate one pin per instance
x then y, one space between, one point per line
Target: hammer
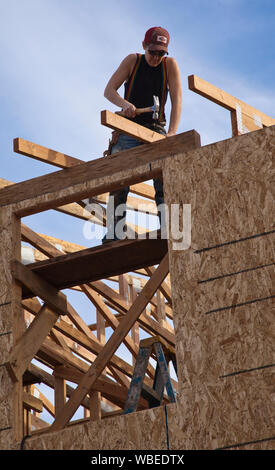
154 108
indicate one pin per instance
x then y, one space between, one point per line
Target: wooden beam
109 316
95 177
28 235
30 342
164 288
32 403
59 394
38 286
92 264
44 154
119 123
92 344
111 346
145 321
53 157
220 97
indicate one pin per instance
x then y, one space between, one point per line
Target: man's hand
129 110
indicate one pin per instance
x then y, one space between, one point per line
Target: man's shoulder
130 58
128 64
171 61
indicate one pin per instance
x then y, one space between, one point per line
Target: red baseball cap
157 36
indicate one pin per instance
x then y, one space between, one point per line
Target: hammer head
155 107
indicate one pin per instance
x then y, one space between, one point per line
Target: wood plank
119 123
91 264
32 403
70 209
28 235
92 344
144 320
224 99
110 317
53 157
164 288
38 286
59 394
44 154
30 342
143 189
89 175
111 346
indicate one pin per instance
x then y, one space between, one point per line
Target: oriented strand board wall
222 295
223 290
11 326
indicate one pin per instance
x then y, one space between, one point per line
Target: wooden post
135 327
95 397
59 394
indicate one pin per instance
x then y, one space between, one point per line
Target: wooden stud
59 395
54 299
30 342
113 343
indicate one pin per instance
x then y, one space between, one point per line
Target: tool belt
112 142
157 127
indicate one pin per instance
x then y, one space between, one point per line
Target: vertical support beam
12 326
161 309
59 394
95 397
135 327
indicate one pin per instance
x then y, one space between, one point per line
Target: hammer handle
138 111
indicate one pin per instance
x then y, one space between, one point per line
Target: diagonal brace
111 346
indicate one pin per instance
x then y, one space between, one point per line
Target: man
143 76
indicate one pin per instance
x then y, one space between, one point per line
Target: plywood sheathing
135 431
223 290
11 327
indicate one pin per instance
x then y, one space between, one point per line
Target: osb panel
5 256
263 444
142 430
211 346
248 254
5 402
229 185
225 413
11 326
232 290
238 335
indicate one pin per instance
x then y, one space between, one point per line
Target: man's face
152 60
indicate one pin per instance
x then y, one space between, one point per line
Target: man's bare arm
118 78
174 83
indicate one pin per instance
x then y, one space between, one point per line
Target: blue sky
56 57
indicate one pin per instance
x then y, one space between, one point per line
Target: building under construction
197 322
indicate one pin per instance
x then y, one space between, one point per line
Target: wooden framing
142 300
244 118
56 334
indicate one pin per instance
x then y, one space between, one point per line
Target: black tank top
144 82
